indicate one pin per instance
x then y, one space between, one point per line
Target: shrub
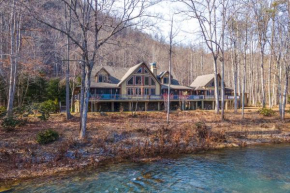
47 107
47 136
266 112
201 130
2 111
11 123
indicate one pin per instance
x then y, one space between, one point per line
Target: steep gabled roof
202 81
116 73
133 69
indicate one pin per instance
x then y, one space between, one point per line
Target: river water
254 169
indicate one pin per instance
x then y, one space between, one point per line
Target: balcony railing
104 97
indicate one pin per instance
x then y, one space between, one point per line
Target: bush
2 111
11 123
47 107
266 112
47 136
201 130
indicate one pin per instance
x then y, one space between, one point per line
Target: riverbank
115 137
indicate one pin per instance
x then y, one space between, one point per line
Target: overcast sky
187 30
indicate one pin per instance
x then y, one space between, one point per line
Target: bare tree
98 22
15 38
205 11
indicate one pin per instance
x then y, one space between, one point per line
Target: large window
152 81
137 91
146 91
146 81
153 91
138 80
129 91
131 81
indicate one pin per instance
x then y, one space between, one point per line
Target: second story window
153 91
146 81
165 80
138 80
152 81
139 71
131 81
102 78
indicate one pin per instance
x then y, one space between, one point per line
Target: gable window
131 81
139 71
129 91
152 91
145 71
165 80
212 84
146 81
138 80
152 81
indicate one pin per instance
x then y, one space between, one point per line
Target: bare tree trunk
170 57
67 74
13 64
223 62
86 101
285 93
245 70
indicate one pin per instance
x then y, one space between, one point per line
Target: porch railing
104 97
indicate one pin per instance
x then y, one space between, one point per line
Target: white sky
187 30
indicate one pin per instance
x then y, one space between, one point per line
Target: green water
255 169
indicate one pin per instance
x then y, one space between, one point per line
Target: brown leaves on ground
123 136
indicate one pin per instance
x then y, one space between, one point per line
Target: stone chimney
153 68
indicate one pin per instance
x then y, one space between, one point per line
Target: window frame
165 78
138 91
152 80
136 83
148 91
148 78
133 81
131 91
152 90
141 68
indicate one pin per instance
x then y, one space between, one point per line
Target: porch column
158 106
146 106
196 105
226 105
213 105
202 105
130 106
191 105
92 110
112 107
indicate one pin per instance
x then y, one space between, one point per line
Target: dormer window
139 71
102 78
165 80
